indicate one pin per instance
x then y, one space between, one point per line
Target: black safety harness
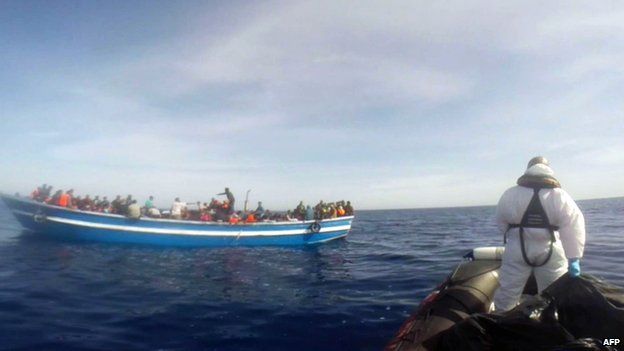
535 217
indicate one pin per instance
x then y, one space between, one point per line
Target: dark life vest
534 217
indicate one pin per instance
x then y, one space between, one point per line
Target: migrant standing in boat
230 199
177 208
259 210
544 232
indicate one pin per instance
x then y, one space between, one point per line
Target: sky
389 104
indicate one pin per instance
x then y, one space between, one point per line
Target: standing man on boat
544 233
259 212
230 198
177 208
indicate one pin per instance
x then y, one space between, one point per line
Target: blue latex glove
574 267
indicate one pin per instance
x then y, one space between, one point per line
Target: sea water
349 294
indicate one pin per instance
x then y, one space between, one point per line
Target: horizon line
471 206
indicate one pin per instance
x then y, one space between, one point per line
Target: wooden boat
71 224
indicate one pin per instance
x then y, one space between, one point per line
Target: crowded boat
215 210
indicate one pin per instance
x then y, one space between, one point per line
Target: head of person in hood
543 229
539 174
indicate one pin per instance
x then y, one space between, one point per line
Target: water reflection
245 275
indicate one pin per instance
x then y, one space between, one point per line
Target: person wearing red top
251 218
64 200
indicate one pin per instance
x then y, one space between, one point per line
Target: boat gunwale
178 221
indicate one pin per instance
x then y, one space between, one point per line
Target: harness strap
534 217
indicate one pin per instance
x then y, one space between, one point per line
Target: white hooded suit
562 212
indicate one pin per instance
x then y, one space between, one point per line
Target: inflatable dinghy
572 314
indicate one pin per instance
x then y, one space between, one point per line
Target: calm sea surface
346 295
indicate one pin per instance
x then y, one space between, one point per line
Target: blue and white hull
92 226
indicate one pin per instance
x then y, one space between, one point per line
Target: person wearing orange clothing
341 211
64 200
251 218
234 219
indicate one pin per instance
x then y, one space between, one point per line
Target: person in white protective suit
544 233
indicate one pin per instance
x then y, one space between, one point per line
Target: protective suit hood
539 176
540 170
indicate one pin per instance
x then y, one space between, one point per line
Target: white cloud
320 98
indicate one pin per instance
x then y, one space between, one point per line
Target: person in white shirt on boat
177 208
153 212
134 210
544 233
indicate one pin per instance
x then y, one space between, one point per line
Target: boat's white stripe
194 232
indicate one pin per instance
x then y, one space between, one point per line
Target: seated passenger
87 203
340 211
125 203
251 218
104 205
223 211
333 213
45 195
41 193
195 214
116 205
35 195
153 212
76 203
267 216
72 201
309 213
205 216
318 210
134 210
348 209
63 199
234 218
214 203
54 200
300 211
149 203
290 217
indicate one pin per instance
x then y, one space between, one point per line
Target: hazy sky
391 104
